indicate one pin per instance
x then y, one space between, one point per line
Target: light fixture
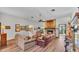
32 17
53 10
2 27
30 26
41 20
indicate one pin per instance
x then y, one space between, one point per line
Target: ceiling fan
41 20
41 15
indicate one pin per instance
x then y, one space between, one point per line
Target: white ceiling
36 13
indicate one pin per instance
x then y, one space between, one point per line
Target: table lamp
2 27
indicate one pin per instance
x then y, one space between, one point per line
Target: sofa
44 41
23 42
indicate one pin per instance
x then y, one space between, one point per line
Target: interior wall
65 18
10 20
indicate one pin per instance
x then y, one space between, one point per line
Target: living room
30 28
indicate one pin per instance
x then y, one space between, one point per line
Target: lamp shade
2 27
30 26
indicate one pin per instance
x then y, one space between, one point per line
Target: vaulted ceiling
37 13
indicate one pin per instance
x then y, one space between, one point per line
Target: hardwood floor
56 45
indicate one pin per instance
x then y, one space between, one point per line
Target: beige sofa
23 42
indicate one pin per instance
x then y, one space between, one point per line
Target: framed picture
27 27
7 27
23 27
62 28
17 27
